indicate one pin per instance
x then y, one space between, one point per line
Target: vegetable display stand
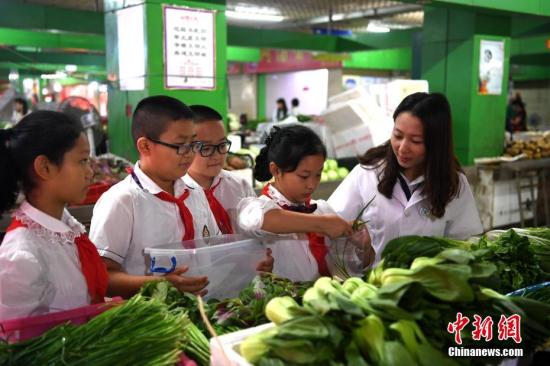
17 330
507 193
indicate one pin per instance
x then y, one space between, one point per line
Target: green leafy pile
138 332
245 311
399 317
522 256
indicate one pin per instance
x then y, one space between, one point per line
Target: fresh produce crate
229 261
226 348
20 329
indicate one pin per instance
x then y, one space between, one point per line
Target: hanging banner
189 48
491 66
272 61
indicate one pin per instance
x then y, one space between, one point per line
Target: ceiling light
14 75
373 28
71 68
57 75
256 10
254 17
254 13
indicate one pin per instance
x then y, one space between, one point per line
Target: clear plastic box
229 261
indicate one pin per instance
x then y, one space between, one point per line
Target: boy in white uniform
152 206
220 190
223 190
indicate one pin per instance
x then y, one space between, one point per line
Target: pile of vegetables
522 256
331 171
109 169
229 315
139 332
536 148
398 317
226 316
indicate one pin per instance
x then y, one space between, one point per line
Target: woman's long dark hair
441 183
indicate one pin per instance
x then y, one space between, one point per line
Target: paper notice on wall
189 48
491 65
131 48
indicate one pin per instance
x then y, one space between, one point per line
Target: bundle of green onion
139 332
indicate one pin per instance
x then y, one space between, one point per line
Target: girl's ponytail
8 183
261 168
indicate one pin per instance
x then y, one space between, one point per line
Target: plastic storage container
345 255
229 261
225 349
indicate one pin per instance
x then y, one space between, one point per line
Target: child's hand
334 226
194 285
266 265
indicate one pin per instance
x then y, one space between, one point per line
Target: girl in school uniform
47 263
294 156
415 179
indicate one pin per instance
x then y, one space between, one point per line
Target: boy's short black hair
153 114
204 113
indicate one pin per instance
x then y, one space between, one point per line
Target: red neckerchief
221 216
185 213
92 267
316 242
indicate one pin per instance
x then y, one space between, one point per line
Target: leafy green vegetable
399 318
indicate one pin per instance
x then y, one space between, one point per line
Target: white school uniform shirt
40 270
391 218
230 191
129 218
292 256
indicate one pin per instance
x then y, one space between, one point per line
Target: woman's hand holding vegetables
194 285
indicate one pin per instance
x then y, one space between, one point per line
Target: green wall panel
261 96
390 59
120 101
243 54
35 16
42 39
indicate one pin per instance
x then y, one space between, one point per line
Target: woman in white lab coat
414 180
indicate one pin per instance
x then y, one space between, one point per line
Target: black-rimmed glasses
207 150
182 149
